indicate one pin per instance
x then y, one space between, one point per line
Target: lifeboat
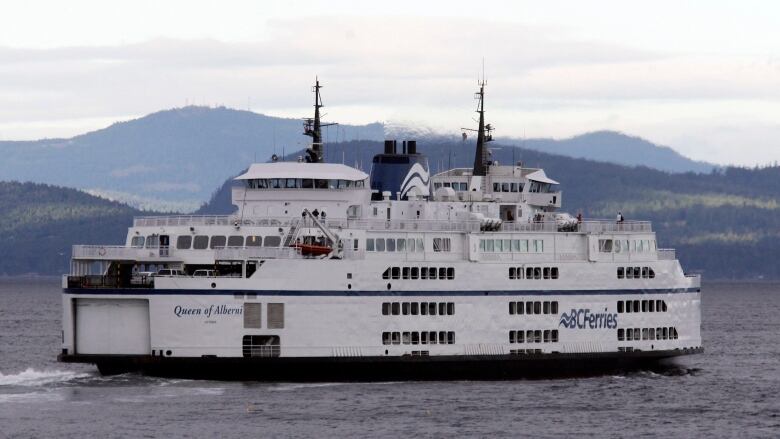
312 249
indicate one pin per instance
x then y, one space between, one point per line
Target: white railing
118 252
543 226
596 225
590 225
236 253
665 254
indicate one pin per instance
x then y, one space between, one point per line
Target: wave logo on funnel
417 177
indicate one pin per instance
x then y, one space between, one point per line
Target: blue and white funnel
400 173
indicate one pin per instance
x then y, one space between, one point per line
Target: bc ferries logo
417 177
583 318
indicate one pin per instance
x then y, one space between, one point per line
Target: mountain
170 160
613 147
39 223
724 224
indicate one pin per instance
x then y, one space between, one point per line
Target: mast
484 135
313 128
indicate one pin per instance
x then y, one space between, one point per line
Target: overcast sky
701 77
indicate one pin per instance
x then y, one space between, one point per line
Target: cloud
542 80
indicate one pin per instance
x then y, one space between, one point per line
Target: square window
620 306
554 308
405 308
431 308
512 336
512 272
407 337
396 338
442 309
520 336
620 334
396 308
450 308
380 245
620 274
512 308
396 272
415 308
432 337
424 308
415 272
370 244
406 272
386 309
385 338
529 308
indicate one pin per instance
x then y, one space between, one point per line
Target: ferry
324 272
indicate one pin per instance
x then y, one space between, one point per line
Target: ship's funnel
399 173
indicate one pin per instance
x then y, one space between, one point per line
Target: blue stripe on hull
380 293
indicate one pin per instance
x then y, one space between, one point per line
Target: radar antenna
484 134
313 128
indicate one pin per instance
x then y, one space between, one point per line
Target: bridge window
380 245
370 244
183 242
254 241
201 242
441 244
605 245
235 241
138 241
272 241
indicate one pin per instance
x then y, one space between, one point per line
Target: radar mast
484 135
313 128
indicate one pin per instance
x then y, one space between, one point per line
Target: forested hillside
39 223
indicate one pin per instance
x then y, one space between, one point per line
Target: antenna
312 127
484 133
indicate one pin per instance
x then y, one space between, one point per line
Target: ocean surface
732 390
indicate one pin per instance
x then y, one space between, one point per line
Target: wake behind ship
327 273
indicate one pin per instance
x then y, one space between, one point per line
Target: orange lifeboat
312 249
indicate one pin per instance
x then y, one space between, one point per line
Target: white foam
32 377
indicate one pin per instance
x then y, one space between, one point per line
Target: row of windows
635 273
507 187
302 183
418 308
628 306
534 336
202 242
392 245
419 337
432 273
533 273
626 245
524 351
458 186
664 333
533 307
511 245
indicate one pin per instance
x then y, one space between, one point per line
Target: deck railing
667 254
589 225
119 252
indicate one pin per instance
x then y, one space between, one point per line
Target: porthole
213 285
349 286
389 286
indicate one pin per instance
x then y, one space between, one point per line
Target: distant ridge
615 147
172 160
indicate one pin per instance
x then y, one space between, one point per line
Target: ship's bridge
502 183
285 188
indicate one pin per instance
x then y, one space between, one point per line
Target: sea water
733 389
